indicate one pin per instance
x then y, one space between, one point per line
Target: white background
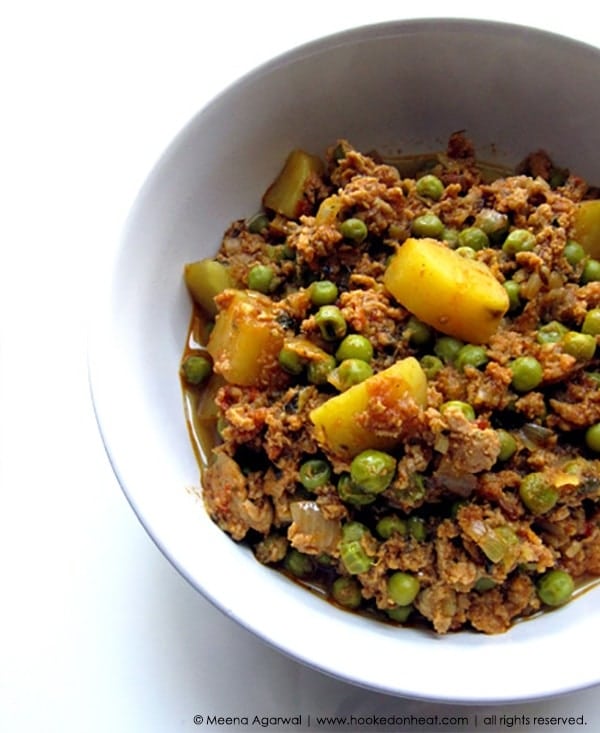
97 631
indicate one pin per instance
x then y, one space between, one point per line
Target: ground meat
226 499
371 313
494 610
271 550
285 437
471 448
455 564
459 146
454 513
443 607
401 554
487 389
311 242
579 407
537 164
356 165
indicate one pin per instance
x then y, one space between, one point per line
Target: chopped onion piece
311 532
534 435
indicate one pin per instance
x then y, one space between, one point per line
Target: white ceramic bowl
401 86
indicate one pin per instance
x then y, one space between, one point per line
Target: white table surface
97 631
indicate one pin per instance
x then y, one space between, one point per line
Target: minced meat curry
394 388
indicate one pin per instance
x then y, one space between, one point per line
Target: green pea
580 345
464 407
447 348
372 471
471 355
513 291
592 437
390 525
314 473
354 558
297 563
430 186
260 278
591 271
354 229
258 223
527 373
326 561
403 588
467 252
353 531
349 373
474 238
573 252
508 445
493 223
482 584
537 493
355 346
427 225
400 614
431 365
417 332
346 592
331 322
591 322
551 333
555 587
279 252
195 369
323 292
416 528
319 370
450 236
352 494
290 361
519 240
396 230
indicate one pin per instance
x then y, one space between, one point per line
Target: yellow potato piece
246 339
337 421
456 295
286 194
586 227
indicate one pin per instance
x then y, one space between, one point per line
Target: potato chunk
285 195
205 279
586 227
458 296
246 339
337 421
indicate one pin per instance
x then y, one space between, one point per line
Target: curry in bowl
392 384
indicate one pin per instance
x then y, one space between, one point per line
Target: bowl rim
100 373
